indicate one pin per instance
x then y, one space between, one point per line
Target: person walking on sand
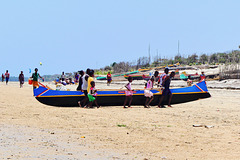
109 78
84 88
92 95
35 76
129 93
79 88
166 90
3 77
147 93
7 75
21 79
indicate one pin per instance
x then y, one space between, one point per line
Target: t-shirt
90 79
84 82
35 76
7 75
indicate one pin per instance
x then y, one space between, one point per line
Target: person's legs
170 99
130 101
125 102
146 102
150 101
160 102
96 102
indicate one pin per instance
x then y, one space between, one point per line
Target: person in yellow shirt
90 79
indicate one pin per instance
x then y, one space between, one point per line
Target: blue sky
73 35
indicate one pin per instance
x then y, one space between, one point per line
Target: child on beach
147 93
166 90
92 95
128 92
109 78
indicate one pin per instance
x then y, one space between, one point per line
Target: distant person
7 75
166 91
63 77
35 76
129 93
76 77
163 76
189 81
109 78
84 88
92 95
3 77
21 79
79 88
147 93
202 77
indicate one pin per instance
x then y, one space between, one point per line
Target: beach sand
31 130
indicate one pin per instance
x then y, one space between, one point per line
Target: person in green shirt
35 78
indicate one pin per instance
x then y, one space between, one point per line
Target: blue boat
115 97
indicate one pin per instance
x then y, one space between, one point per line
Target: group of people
87 86
6 77
162 80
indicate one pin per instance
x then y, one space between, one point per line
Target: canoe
114 97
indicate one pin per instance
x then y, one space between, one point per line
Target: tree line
232 57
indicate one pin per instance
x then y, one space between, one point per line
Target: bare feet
169 106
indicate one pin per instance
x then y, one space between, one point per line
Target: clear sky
70 35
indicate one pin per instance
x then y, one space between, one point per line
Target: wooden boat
116 97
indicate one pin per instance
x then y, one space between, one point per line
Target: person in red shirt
7 75
109 78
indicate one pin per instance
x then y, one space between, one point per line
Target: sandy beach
31 130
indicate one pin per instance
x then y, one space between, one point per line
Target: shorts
91 98
35 84
148 93
166 92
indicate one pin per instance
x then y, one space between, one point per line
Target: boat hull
117 97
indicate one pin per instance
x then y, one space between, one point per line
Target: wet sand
31 130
